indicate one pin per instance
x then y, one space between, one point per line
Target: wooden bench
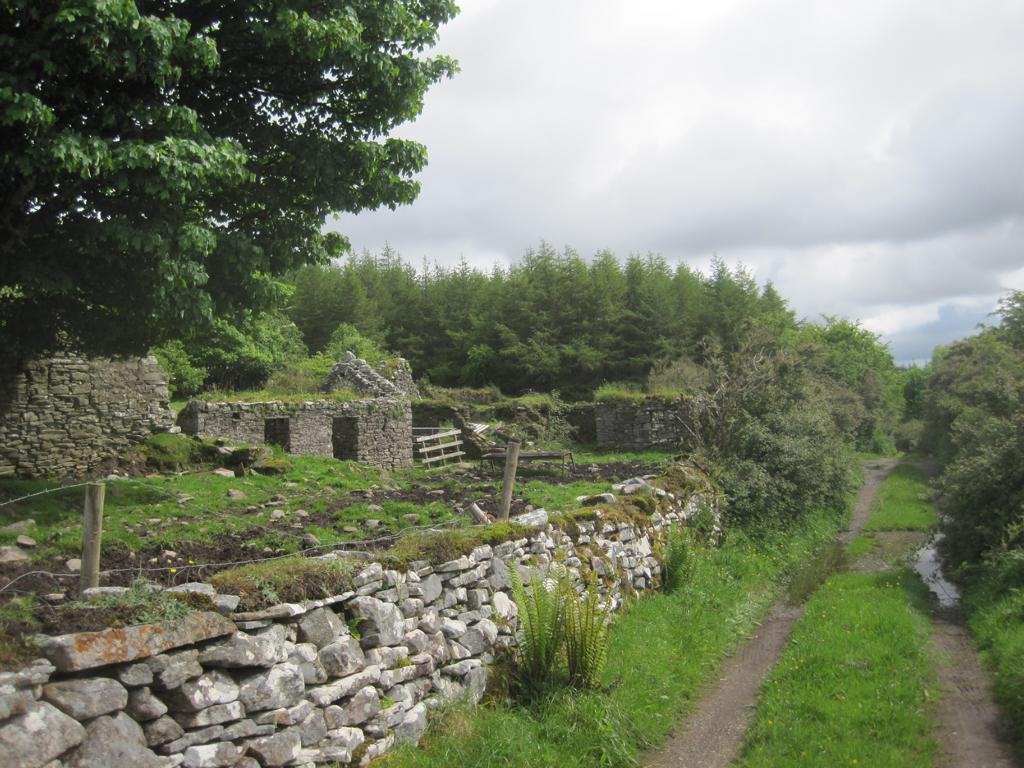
565 457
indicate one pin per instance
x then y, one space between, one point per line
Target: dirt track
968 726
712 735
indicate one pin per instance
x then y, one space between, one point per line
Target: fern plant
678 561
541 628
587 622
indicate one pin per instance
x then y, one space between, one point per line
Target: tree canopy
162 161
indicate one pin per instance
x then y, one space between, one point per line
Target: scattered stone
38 736
371 523
412 518
194 587
93 593
592 501
25 542
223 472
309 541
55 598
22 526
11 555
86 698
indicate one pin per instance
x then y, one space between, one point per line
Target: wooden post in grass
511 463
92 534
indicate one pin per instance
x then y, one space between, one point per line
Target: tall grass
661 652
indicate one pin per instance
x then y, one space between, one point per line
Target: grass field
662 650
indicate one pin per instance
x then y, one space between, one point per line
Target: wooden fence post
92 534
511 463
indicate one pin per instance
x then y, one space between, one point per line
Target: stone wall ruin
65 415
375 432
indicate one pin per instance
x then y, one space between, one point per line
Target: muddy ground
473 484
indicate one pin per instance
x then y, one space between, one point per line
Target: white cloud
864 156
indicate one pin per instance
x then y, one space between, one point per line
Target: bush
908 435
183 378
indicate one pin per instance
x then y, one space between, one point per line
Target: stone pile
338 680
392 378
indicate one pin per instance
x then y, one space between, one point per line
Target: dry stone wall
376 432
65 415
642 424
335 680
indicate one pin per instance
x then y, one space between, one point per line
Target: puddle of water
929 568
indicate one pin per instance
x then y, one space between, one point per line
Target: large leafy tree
161 161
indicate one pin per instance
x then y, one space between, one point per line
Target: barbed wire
44 492
338 545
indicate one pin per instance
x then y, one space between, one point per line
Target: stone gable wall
65 415
296 685
642 425
375 432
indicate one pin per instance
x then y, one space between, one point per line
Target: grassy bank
662 650
994 603
854 683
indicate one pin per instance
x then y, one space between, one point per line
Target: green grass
284 395
161 510
902 504
994 602
853 686
663 649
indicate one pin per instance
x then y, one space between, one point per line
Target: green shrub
908 435
626 391
183 378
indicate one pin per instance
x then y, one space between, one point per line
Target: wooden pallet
438 448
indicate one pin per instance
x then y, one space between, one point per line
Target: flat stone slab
85 650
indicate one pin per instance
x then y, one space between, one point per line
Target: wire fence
195 568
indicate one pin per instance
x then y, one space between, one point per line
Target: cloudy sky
867 157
